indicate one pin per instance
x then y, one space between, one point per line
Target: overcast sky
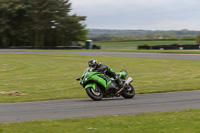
139 14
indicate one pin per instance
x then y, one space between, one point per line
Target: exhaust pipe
128 81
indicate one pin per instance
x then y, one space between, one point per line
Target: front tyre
129 92
96 95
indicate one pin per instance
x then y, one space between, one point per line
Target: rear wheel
96 94
129 92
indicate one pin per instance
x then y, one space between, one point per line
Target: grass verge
186 121
127 45
158 51
52 76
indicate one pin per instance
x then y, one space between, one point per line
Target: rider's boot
119 82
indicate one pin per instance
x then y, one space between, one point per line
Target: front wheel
129 92
96 94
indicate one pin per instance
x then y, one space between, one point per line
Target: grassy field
132 45
52 76
157 51
186 121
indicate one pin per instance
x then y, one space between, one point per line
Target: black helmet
92 63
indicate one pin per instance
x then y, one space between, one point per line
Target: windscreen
86 70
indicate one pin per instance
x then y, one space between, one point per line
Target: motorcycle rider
98 67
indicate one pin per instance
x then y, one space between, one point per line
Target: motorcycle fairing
92 84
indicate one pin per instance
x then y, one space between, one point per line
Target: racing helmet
92 63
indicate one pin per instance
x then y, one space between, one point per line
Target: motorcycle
98 85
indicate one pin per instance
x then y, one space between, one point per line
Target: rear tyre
96 95
129 92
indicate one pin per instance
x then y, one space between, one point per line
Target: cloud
139 14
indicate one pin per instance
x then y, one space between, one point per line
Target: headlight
81 82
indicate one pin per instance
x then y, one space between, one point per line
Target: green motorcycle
98 85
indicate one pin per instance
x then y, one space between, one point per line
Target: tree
39 23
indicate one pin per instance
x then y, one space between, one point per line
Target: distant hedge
171 47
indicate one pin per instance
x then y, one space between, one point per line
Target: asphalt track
143 103
60 109
122 54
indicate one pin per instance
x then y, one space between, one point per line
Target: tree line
115 35
39 23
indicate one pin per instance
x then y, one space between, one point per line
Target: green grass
158 51
122 46
52 76
186 121
132 45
